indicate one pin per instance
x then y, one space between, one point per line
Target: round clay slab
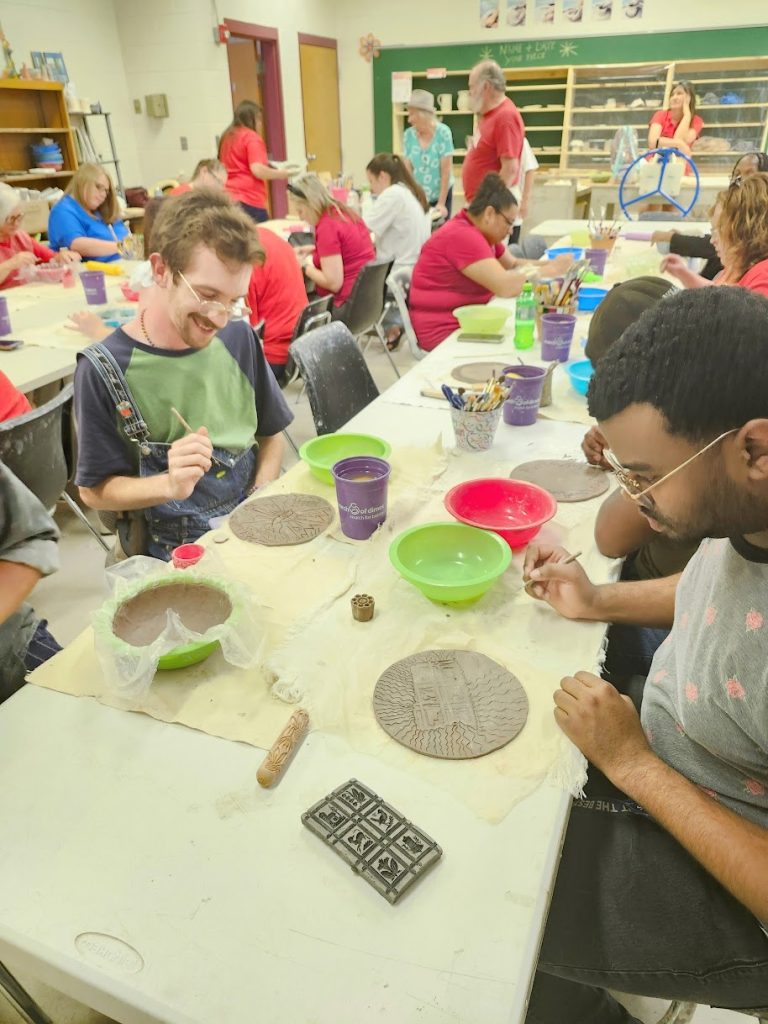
282 519
142 618
451 704
478 373
565 479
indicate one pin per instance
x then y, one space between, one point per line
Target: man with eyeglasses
189 354
663 885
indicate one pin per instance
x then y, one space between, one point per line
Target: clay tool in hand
183 422
529 582
281 750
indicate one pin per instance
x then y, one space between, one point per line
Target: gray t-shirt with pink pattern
705 705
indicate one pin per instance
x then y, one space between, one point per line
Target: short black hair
699 356
492 192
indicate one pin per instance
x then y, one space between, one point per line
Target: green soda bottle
525 318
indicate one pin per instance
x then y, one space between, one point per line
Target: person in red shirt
243 152
17 248
12 402
343 243
679 125
740 238
277 296
465 262
498 140
208 174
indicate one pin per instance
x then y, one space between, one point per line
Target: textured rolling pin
281 750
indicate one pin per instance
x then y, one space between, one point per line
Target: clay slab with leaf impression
282 519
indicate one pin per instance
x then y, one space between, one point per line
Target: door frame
274 110
331 44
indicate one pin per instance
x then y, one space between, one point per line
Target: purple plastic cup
95 286
556 336
5 319
522 405
361 482
597 259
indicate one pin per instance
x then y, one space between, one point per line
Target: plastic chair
338 381
35 447
363 309
399 285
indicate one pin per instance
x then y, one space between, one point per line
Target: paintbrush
529 582
183 422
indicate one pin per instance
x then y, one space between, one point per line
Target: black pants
257 213
278 370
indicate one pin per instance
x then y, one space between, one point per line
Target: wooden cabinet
29 112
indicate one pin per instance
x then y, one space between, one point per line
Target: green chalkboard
533 53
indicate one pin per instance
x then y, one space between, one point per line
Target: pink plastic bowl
513 509
187 555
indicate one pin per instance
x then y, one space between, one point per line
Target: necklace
144 330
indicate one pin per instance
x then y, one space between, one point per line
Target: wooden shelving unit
32 110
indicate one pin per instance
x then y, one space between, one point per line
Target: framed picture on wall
56 67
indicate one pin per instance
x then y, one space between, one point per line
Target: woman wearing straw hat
428 148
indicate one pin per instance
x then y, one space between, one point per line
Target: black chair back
314 314
365 304
338 381
36 447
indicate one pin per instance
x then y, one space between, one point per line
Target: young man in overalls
182 351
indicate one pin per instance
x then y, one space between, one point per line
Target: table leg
20 999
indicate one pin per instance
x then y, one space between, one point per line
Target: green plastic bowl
482 319
188 654
449 562
320 453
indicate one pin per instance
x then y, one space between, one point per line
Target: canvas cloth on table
318 655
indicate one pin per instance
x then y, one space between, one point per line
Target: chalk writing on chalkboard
535 51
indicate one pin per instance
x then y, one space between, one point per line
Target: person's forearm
93 247
16 583
620 528
445 185
316 274
270 460
697 246
732 849
642 603
267 173
508 171
683 127
512 284
691 279
7 267
126 493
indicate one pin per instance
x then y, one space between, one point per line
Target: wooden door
244 77
320 98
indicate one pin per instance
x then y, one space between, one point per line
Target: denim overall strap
105 364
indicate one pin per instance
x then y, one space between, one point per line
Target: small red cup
186 555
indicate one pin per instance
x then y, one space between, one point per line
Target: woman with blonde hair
398 218
739 235
87 218
243 152
342 241
428 149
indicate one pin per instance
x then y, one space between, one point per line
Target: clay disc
478 373
565 479
282 519
451 704
142 618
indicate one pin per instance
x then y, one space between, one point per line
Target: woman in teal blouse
428 149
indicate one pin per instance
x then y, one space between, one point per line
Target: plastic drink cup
597 259
362 482
186 555
475 431
525 385
5 319
556 336
95 287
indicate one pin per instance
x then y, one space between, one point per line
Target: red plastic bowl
512 508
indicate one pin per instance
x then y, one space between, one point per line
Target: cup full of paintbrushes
475 415
525 384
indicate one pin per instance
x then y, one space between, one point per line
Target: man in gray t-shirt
663 885
28 550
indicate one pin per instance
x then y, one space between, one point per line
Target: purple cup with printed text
95 286
362 482
597 259
525 384
556 336
5 319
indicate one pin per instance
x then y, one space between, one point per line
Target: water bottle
525 318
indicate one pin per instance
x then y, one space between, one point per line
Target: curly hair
697 356
742 223
492 192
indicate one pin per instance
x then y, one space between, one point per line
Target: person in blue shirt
87 218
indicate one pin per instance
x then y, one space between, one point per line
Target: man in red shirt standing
498 140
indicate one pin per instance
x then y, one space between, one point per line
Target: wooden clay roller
282 748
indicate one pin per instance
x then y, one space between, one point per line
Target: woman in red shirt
343 243
243 152
739 235
679 125
17 248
